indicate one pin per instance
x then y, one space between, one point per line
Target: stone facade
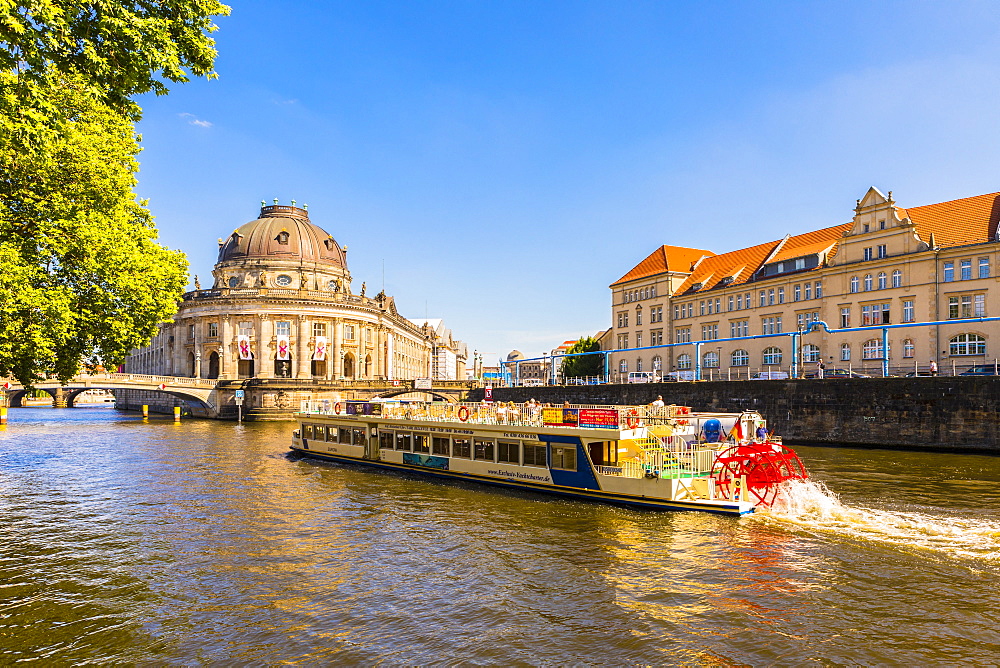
283 284
888 265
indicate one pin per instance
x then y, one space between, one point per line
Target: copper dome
282 233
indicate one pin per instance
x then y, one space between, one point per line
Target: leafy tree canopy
585 365
82 277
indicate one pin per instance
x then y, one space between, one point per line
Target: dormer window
697 286
330 245
282 237
881 224
864 227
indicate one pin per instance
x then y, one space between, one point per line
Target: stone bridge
215 398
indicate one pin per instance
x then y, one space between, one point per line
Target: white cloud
194 120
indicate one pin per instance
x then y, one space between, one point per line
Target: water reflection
146 542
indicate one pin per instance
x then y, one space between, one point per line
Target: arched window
908 348
845 352
638 319
772 355
854 283
740 358
684 361
623 366
868 282
881 280
871 349
657 363
810 353
710 360
897 279
968 344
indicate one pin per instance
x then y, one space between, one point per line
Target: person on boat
762 434
501 413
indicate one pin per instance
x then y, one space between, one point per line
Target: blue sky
509 160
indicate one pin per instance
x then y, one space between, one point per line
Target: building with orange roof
888 265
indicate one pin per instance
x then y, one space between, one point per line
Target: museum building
888 265
282 306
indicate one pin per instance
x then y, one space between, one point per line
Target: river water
141 542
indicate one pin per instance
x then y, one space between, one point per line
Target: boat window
319 432
307 431
509 453
345 435
564 458
461 448
402 441
484 450
421 443
359 437
385 440
441 446
331 434
534 454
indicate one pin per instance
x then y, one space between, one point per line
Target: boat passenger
501 413
761 434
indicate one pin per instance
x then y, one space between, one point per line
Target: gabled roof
664 259
959 221
811 243
714 269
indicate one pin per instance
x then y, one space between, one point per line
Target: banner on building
243 343
320 353
283 353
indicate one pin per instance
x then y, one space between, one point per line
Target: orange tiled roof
714 269
665 258
960 221
811 243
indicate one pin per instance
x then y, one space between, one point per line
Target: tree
585 365
82 277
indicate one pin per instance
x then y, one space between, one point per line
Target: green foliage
81 275
585 365
115 47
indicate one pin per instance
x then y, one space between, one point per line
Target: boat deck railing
508 413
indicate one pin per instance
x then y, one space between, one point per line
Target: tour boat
659 457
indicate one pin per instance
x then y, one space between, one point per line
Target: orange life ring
632 419
463 413
336 408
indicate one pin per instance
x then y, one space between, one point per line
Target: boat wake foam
809 505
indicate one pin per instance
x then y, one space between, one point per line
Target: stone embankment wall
949 413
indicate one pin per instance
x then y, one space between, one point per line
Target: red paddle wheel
763 467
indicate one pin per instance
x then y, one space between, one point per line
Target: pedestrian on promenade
821 370
933 368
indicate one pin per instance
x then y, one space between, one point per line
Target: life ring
336 408
463 413
632 419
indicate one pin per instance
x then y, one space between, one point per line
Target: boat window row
333 434
522 453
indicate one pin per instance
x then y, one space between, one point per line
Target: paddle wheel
762 467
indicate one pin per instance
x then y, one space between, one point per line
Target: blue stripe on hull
606 497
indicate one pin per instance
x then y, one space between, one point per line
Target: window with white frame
763 297
845 352
656 337
709 332
245 328
908 315
710 360
908 348
882 251
949 272
781 295
807 291
349 332
319 329
283 328
984 267
740 358
213 330
871 349
854 283
810 352
771 325
731 302
875 314
868 282
796 292
701 307
803 320
739 328
819 289
677 312
638 364
684 361
770 297
967 344
739 303
772 355
682 335
746 300
623 366
638 342
845 316
638 315
966 268
882 280
967 306
868 254
897 279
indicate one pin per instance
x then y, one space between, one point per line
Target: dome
515 355
282 233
